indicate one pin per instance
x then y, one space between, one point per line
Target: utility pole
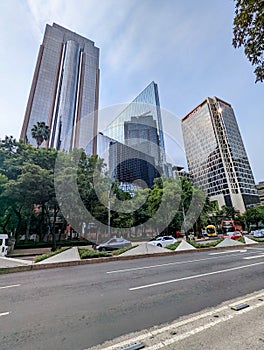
109 213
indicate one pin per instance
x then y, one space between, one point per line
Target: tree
40 132
253 216
248 31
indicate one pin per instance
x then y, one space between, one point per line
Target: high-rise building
64 90
260 188
139 126
127 165
216 156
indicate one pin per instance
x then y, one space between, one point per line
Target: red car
232 235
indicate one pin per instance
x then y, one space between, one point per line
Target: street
79 307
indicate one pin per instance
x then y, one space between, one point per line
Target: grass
48 255
88 254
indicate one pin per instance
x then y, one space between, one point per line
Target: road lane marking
211 324
194 276
230 251
167 264
254 257
11 286
166 328
184 322
4 313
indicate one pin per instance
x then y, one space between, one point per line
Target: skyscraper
216 156
127 165
64 90
139 126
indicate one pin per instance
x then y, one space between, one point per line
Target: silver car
113 244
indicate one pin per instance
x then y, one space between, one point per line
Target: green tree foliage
40 132
254 216
248 32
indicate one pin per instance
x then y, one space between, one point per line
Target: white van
3 244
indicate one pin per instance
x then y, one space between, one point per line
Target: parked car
233 235
3 244
113 244
163 241
258 233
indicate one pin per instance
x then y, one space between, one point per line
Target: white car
258 233
163 241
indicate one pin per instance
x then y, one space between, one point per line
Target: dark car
113 244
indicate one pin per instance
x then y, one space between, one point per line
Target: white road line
166 328
4 313
167 264
194 276
252 248
254 257
230 251
181 323
201 328
11 286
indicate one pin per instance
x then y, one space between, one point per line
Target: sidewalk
29 252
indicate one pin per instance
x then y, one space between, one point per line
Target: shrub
122 250
257 239
205 245
87 254
173 246
48 255
241 240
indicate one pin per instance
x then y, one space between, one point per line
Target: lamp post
109 213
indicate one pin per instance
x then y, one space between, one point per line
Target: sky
184 46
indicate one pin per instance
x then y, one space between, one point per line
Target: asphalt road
79 307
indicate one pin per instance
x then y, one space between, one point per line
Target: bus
230 226
211 231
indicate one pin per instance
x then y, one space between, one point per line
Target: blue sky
184 46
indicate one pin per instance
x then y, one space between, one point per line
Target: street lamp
109 213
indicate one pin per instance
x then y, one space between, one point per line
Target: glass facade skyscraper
127 165
141 123
216 155
64 91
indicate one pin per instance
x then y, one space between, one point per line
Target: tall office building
139 126
64 90
216 156
260 188
127 165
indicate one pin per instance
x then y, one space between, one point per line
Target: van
3 244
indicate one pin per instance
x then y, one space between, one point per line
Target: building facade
64 91
260 188
139 126
127 165
216 155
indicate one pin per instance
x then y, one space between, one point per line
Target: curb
113 258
